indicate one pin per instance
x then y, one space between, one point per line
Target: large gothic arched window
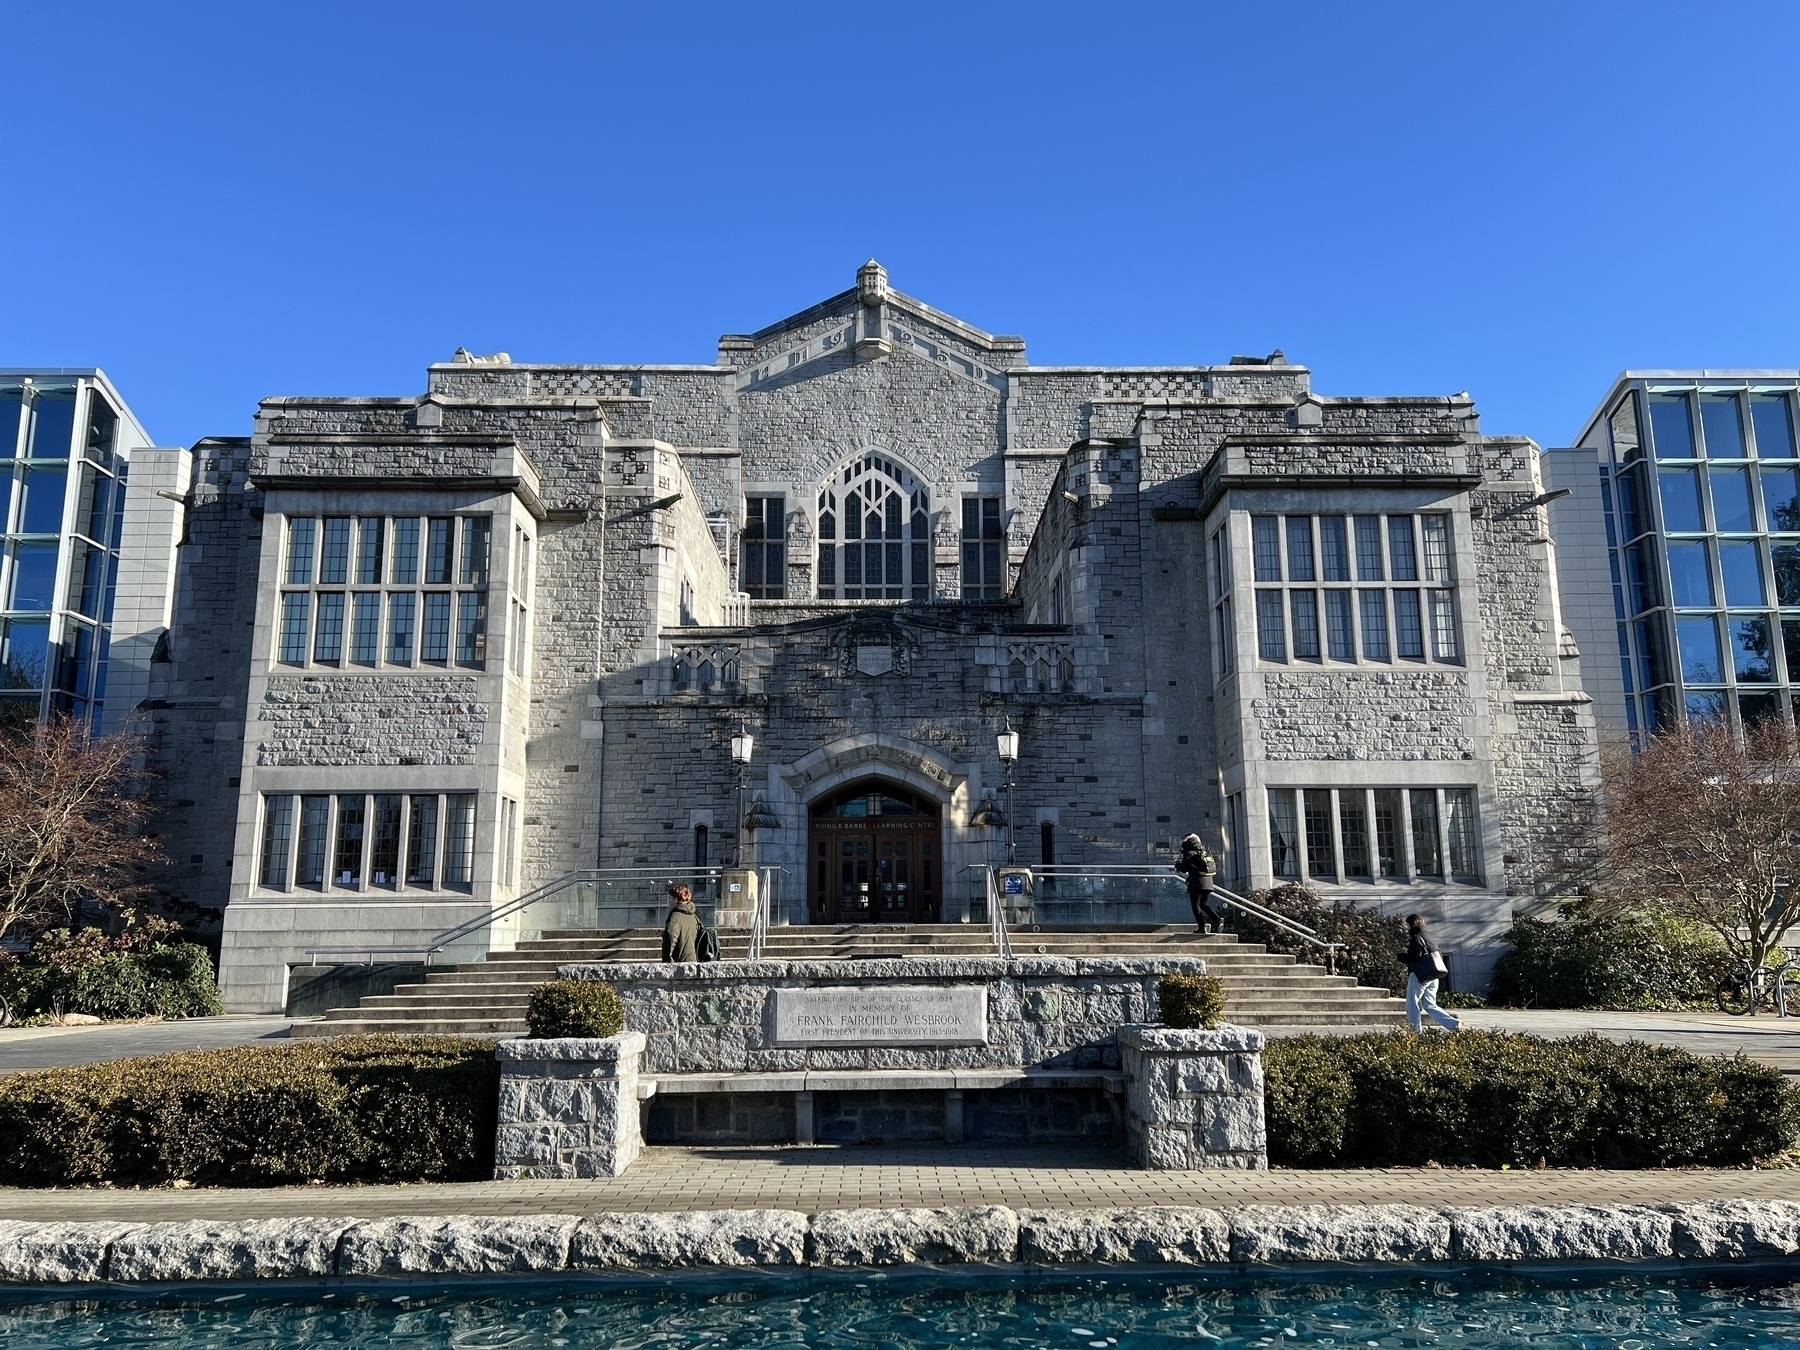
874 533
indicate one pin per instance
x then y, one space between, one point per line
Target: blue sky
218 203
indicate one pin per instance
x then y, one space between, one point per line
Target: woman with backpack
1425 966
1197 865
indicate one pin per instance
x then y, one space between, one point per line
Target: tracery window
874 533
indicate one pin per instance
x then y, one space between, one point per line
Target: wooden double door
876 856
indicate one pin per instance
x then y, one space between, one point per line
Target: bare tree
1707 824
72 815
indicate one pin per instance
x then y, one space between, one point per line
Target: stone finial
871 283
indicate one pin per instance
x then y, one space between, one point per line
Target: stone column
568 1108
1194 1098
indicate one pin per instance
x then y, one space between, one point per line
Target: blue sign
1013 883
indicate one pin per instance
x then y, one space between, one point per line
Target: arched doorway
876 855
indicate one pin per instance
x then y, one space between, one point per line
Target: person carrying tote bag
1425 967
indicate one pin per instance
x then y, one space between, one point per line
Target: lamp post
1007 745
741 745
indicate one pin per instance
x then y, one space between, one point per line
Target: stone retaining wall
1268 1236
1194 1098
568 1107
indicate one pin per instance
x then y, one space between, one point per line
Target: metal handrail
762 920
1281 921
997 918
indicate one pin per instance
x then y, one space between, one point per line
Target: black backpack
707 949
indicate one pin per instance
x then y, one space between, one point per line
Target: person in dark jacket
681 934
1422 978
1197 865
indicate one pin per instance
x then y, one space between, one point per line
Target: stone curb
1258 1235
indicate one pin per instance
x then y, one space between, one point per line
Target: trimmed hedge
1190 1002
170 980
1642 959
1373 942
1497 1098
561 1008
357 1109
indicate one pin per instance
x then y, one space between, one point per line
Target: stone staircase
488 998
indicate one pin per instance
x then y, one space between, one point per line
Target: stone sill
1224 1039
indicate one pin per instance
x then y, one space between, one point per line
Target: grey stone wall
1194 1098
568 1108
371 720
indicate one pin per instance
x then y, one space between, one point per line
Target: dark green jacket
681 934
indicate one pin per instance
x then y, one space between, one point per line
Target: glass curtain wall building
1679 540
66 440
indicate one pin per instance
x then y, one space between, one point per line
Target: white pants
1423 998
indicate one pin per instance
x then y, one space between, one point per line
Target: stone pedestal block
568 1108
1194 1098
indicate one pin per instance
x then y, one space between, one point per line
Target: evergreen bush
1190 1002
1497 1098
356 1109
582 1008
141 973
1640 959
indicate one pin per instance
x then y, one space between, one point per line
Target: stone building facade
431 652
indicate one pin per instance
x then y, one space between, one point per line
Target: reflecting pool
1089 1311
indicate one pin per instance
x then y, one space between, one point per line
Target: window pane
1731 500
1353 818
1284 835
434 644
990 518
1670 429
1699 641
365 627
295 609
1722 426
405 568
471 629
1754 708
1790 643
1641 573
34 577
1770 415
25 659
334 553
1299 548
1752 655
1688 577
1787 577
1409 627
384 842
1334 548
328 630
1368 548
1374 625
1271 641
1634 507
1706 707
12 414
476 533
1426 861
459 839
437 550
1400 549
421 842
278 827
368 551
1680 490
1654 650
1740 565
44 492
1389 823
1339 634
400 627
1459 821
971 522
1443 627
1436 530
301 551
52 424
347 867
1305 607
1781 498
1265 543
310 866
1320 861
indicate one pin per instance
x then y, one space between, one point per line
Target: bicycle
1747 988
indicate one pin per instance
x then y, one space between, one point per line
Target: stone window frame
383 600
304 840
1323 598
910 542
1437 826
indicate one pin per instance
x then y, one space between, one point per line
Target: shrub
1190 1002
1493 1098
1639 959
1373 942
574 1008
138 974
358 1109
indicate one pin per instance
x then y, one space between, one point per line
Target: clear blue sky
218 203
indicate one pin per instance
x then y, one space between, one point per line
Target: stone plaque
874 660
881 1015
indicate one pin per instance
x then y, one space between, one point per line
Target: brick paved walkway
813 1179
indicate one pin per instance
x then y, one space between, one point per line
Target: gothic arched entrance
875 855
